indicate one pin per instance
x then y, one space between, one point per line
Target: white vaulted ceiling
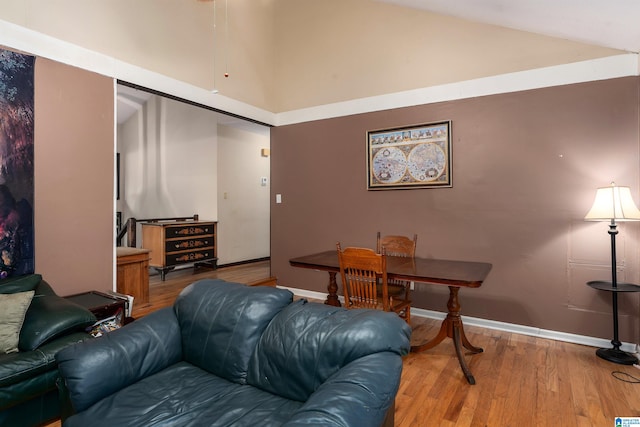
608 23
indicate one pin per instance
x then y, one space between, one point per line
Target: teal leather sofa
232 355
28 393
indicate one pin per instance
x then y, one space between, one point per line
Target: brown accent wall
74 174
525 169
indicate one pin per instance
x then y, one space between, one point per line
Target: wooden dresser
175 243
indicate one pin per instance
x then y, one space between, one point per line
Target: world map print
427 162
410 157
389 165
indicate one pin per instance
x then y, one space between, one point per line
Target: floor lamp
613 204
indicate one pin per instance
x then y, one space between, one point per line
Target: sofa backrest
306 343
221 323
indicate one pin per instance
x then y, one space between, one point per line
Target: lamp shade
613 203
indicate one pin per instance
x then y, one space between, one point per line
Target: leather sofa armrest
26 365
96 368
361 393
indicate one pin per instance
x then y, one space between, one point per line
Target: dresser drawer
189 244
188 257
188 230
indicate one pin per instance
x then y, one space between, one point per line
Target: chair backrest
361 269
397 245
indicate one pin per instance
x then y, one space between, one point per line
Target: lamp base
616 356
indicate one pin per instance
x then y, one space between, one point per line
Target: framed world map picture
409 157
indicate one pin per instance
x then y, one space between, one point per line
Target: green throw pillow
13 308
20 283
49 317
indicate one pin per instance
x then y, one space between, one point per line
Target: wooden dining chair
400 246
397 245
363 273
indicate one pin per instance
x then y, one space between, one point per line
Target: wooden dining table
454 274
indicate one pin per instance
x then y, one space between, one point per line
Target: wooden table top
447 272
122 251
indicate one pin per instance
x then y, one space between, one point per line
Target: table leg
332 298
463 363
453 328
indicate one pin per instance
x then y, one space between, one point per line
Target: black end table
100 304
614 354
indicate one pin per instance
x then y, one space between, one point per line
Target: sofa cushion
185 395
306 343
50 316
16 284
28 389
13 308
221 323
39 410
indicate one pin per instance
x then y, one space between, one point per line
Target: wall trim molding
32 42
493 324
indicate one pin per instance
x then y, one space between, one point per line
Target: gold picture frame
406 157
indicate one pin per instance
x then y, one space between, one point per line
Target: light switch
278 198
263 181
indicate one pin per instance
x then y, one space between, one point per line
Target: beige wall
74 188
289 54
337 50
168 154
243 203
177 161
525 169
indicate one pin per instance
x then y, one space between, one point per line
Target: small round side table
614 354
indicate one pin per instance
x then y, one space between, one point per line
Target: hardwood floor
520 380
162 294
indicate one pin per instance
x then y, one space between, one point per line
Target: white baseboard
493 324
308 294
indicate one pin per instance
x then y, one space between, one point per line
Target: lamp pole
613 203
613 230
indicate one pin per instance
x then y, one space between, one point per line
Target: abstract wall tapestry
16 164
